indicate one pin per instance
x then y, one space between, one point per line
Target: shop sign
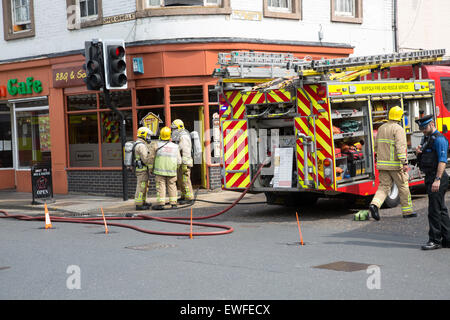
15 87
41 183
68 77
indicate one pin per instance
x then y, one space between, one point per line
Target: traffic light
115 64
94 65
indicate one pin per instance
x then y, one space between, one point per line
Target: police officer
432 160
164 160
392 164
183 138
141 156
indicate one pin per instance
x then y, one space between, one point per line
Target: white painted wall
373 36
424 24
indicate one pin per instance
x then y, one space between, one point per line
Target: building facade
48 116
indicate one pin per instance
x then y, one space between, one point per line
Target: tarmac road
261 259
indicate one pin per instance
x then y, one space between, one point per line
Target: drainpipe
395 23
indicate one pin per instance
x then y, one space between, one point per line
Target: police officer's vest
166 159
428 159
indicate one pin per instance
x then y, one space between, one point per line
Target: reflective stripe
390 141
392 163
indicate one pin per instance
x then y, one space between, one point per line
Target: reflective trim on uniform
389 163
390 141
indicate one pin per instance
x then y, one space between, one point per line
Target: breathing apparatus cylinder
196 145
128 158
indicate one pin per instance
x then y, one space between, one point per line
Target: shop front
48 116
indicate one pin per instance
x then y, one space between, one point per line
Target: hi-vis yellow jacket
390 146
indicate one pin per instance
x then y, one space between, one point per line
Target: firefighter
164 160
432 160
392 164
141 156
182 137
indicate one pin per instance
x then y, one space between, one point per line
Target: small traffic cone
104 221
48 223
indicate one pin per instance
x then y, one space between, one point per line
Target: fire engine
313 122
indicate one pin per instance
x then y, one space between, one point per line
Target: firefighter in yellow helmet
164 160
141 161
392 164
183 138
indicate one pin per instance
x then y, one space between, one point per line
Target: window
445 88
174 3
32 132
186 94
88 8
346 11
83 140
148 8
84 13
285 9
149 97
6 159
111 144
18 19
280 5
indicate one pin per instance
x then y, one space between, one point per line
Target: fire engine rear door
235 154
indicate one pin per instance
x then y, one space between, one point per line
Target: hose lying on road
177 220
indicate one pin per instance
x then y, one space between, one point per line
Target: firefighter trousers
184 183
163 183
141 188
400 178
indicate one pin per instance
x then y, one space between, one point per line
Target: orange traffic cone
48 223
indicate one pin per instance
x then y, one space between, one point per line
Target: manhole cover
4 268
151 246
345 266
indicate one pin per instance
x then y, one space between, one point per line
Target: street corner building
47 115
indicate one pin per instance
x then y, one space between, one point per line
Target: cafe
48 117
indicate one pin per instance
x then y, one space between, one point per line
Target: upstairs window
176 3
88 9
283 9
154 8
21 15
18 19
84 13
280 5
346 11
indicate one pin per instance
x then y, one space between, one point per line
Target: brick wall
103 182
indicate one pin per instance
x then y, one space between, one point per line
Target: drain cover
151 246
345 266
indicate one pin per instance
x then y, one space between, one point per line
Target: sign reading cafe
15 87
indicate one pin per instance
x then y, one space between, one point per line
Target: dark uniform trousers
437 210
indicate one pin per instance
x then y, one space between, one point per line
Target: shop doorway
192 117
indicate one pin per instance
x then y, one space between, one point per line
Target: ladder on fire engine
284 68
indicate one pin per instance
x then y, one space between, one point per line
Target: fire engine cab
314 121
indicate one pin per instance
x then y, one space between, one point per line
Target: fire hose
176 220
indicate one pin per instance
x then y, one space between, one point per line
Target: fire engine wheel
393 199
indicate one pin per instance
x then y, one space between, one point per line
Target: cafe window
33 137
120 99
6 157
82 102
83 140
150 97
111 144
192 94
18 17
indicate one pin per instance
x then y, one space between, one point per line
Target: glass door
6 155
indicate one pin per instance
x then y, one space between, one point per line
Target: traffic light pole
123 138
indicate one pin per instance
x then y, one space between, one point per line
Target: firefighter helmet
144 133
165 133
177 124
396 113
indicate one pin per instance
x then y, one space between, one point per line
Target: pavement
81 204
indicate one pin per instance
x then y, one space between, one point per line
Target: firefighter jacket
141 155
165 158
185 144
390 146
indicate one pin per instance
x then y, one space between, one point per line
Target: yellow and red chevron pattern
235 154
234 102
310 102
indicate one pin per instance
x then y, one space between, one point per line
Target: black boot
142 207
185 201
158 207
374 212
410 215
431 246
